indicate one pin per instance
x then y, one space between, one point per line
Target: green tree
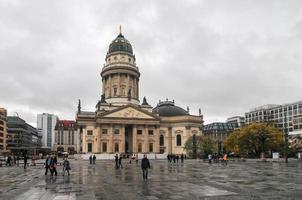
255 138
204 146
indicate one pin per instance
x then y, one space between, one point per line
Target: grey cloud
224 57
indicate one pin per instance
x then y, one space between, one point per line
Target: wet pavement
191 180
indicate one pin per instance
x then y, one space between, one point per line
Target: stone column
122 148
146 141
103 86
110 86
156 136
170 142
119 90
134 139
110 145
127 84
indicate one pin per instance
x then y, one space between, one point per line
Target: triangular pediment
129 112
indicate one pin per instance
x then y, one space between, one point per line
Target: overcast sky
224 57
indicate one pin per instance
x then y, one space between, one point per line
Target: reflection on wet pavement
191 180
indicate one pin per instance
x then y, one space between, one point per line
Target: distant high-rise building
46 124
285 117
3 129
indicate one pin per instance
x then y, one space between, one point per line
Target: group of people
175 158
92 159
118 161
14 161
218 158
51 163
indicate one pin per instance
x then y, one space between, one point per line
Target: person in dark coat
47 164
53 166
120 161
90 159
25 161
66 166
94 158
116 161
145 166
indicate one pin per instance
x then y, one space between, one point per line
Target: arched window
178 140
161 140
139 147
116 147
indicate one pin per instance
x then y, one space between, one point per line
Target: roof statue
103 98
79 106
145 101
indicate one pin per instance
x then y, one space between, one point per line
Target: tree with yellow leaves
255 138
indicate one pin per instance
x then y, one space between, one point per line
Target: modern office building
3 130
22 137
236 121
46 124
66 137
286 117
121 124
218 131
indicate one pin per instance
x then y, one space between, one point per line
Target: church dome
168 109
120 43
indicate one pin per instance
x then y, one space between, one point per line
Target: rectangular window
150 132
104 131
139 132
104 145
89 132
72 138
150 147
116 131
62 137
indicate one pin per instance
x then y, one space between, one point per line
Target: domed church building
121 124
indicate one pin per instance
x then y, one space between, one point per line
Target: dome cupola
168 109
120 44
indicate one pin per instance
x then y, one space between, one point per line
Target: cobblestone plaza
190 180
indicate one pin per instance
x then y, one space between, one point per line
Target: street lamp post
194 146
285 137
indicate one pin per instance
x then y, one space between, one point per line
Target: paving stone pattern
191 180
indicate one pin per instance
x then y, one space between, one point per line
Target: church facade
120 124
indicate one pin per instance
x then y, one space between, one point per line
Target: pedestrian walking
116 161
66 166
90 159
120 161
47 164
225 159
145 166
18 158
53 166
136 158
94 158
210 158
25 160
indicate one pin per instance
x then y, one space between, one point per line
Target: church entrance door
128 139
